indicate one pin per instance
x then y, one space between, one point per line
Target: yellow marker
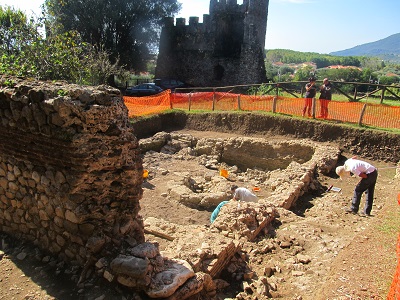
145 173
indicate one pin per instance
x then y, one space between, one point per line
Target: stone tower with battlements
226 49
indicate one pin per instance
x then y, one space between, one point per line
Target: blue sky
321 26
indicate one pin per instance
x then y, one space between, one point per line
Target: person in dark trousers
369 176
325 97
310 94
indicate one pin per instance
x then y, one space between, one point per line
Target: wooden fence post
382 94
238 102
355 93
190 100
314 102
362 114
213 104
274 103
275 98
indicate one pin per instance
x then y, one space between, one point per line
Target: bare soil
351 257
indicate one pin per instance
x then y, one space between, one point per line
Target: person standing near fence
311 91
325 97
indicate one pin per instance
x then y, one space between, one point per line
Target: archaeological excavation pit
185 183
71 183
188 170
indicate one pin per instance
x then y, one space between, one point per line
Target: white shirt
244 194
357 166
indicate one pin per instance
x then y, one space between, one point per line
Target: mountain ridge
387 49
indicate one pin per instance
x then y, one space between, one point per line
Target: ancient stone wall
70 173
226 49
70 182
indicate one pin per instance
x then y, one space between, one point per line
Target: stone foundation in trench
70 182
286 169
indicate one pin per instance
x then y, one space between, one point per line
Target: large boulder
165 283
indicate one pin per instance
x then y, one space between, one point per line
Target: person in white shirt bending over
243 194
368 174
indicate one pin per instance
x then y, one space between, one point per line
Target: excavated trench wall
70 173
371 144
250 153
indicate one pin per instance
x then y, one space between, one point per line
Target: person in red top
325 97
311 91
368 174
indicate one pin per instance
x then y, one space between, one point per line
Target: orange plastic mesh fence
140 106
381 115
256 103
394 292
221 101
290 106
197 101
378 115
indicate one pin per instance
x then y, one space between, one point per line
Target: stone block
130 266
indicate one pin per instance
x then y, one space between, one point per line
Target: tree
270 70
17 34
321 62
303 73
25 52
128 29
389 80
99 68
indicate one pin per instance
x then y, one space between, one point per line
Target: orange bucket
145 173
224 173
256 189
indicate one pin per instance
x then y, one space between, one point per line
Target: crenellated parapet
232 36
